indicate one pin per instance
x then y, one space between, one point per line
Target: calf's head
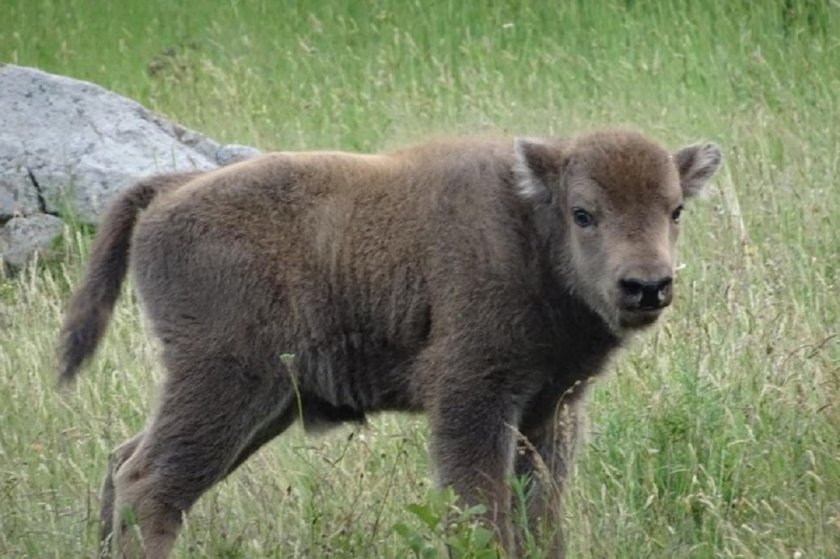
609 204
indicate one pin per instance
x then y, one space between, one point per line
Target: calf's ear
697 164
536 165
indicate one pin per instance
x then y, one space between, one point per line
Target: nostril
631 287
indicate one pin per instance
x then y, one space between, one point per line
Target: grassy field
716 435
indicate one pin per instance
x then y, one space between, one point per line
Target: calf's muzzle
644 295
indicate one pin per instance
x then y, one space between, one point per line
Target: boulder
69 146
22 237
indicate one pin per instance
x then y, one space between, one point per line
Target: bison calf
479 281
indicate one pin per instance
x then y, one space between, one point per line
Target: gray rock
71 144
22 237
17 193
232 153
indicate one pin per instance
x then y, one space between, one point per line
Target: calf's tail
92 304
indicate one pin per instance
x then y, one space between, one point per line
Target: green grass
716 435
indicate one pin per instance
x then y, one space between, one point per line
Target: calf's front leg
543 461
473 443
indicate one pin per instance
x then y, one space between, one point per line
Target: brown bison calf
479 281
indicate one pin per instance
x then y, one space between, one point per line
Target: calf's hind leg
106 494
209 412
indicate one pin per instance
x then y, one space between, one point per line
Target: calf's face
615 200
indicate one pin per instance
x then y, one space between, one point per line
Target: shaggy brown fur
479 281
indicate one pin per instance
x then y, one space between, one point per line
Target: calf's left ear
697 164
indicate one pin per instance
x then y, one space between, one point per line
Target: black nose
645 295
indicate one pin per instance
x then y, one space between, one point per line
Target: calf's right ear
537 164
697 164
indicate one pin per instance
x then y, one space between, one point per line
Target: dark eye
675 215
582 217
